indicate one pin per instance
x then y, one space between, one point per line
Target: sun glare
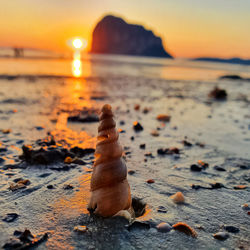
77 43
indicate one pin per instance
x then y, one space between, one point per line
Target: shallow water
31 106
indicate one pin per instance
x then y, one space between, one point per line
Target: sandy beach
38 100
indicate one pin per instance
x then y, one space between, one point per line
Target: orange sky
189 28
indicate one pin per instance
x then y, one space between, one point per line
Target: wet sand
218 131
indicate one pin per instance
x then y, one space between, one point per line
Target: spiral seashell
109 185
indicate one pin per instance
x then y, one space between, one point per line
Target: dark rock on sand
137 126
232 77
25 240
44 156
67 186
231 229
112 35
50 186
10 217
187 143
142 146
218 94
80 152
195 168
168 151
218 168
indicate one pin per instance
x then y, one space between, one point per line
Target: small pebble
187 144
163 118
155 133
137 126
221 235
131 172
195 168
163 227
218 168
142 146
178 198
50 186
150 181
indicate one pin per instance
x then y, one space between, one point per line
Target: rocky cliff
112 35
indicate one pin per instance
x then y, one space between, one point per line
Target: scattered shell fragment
185 228
163 118
19 185
125 214
155 133
221 235
81 229
178 198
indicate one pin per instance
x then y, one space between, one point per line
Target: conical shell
109 185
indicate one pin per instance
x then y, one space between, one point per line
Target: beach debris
216 185
80 229
131 172
195 168
19 185
161 209
231 229
155 133
203 164
185 228
164 227
139 206
218 94
238 187
141 225
218 168
187 143
67 186
178 198
50 186
245 207
6 131
132 138
146 110
137 126
10 217
168 151
25 240
149 154
163 118
142 146
150 181
110 191
86 115
137 107
221 235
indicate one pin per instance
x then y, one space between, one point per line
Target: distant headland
112 35
234 60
